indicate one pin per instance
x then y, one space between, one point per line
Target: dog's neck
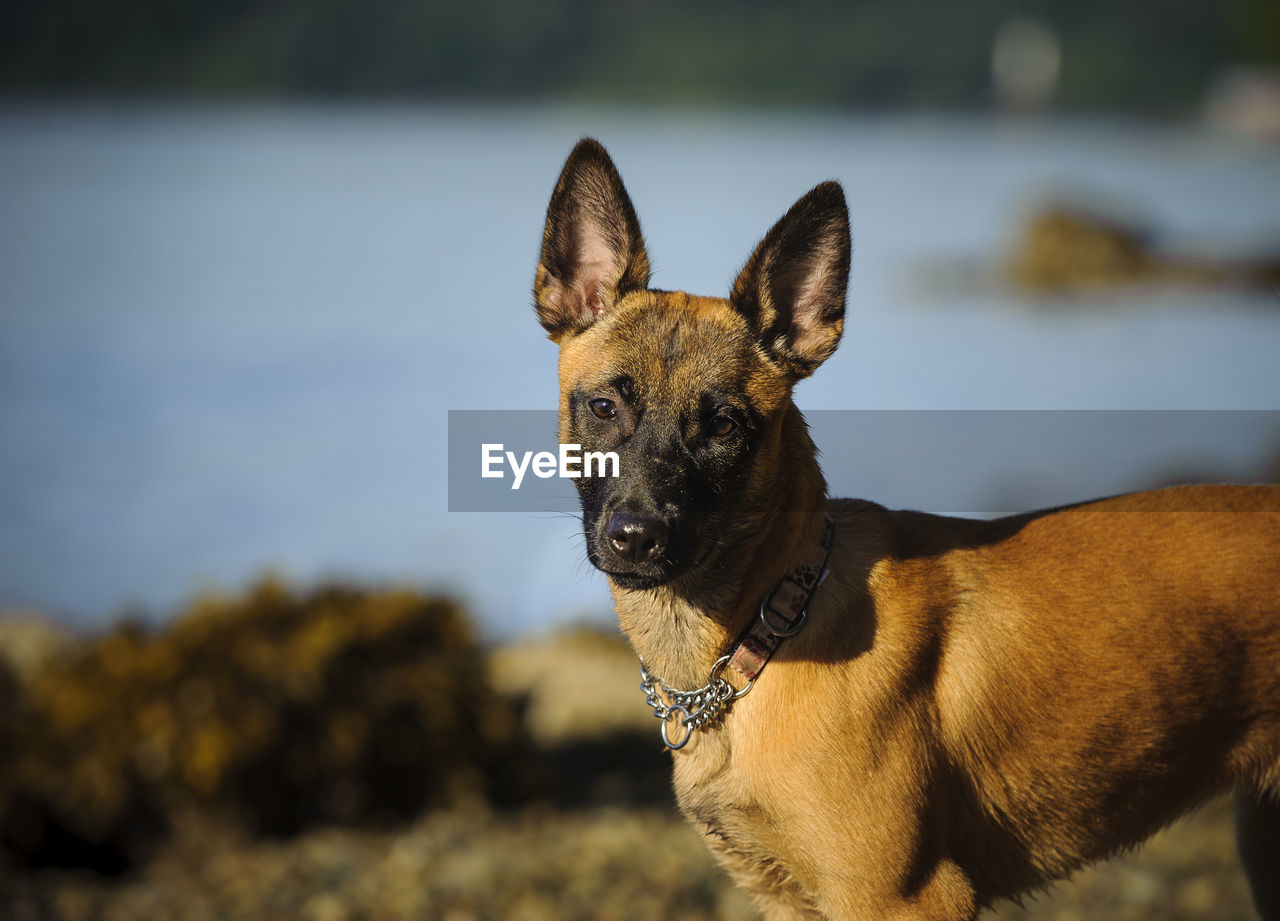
680 629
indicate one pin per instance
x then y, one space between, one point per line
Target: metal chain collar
696 709
700 708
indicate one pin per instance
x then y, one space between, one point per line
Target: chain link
697 709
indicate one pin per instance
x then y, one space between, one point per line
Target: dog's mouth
638 576
634 581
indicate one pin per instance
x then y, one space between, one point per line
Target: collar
783 613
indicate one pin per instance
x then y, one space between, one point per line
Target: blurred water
229 336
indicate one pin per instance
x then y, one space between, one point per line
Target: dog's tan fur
974 708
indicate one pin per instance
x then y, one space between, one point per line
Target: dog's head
688 391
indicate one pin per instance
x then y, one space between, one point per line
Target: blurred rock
578 693
28 640
1064 250
573 685
278 709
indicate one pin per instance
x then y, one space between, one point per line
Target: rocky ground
541 864
560 808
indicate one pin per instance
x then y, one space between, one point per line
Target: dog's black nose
636 537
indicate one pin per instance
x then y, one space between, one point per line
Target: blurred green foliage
1139 54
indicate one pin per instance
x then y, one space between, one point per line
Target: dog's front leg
1258 834
874 862
945 896
784 907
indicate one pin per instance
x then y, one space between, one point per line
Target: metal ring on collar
786 631
719 667
688 730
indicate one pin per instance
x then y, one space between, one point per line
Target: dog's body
973 708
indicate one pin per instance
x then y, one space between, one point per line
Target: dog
881 714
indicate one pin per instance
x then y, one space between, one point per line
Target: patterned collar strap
784 611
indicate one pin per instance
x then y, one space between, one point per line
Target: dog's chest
723 803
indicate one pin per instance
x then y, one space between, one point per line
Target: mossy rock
1066 250
279 709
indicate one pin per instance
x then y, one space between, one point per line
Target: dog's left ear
592 250
792 289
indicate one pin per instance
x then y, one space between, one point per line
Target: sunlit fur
974 708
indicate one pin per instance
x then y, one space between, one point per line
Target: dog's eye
720 426
604 409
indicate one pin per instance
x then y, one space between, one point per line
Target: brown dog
964 710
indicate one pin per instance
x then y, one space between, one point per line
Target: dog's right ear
592 251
